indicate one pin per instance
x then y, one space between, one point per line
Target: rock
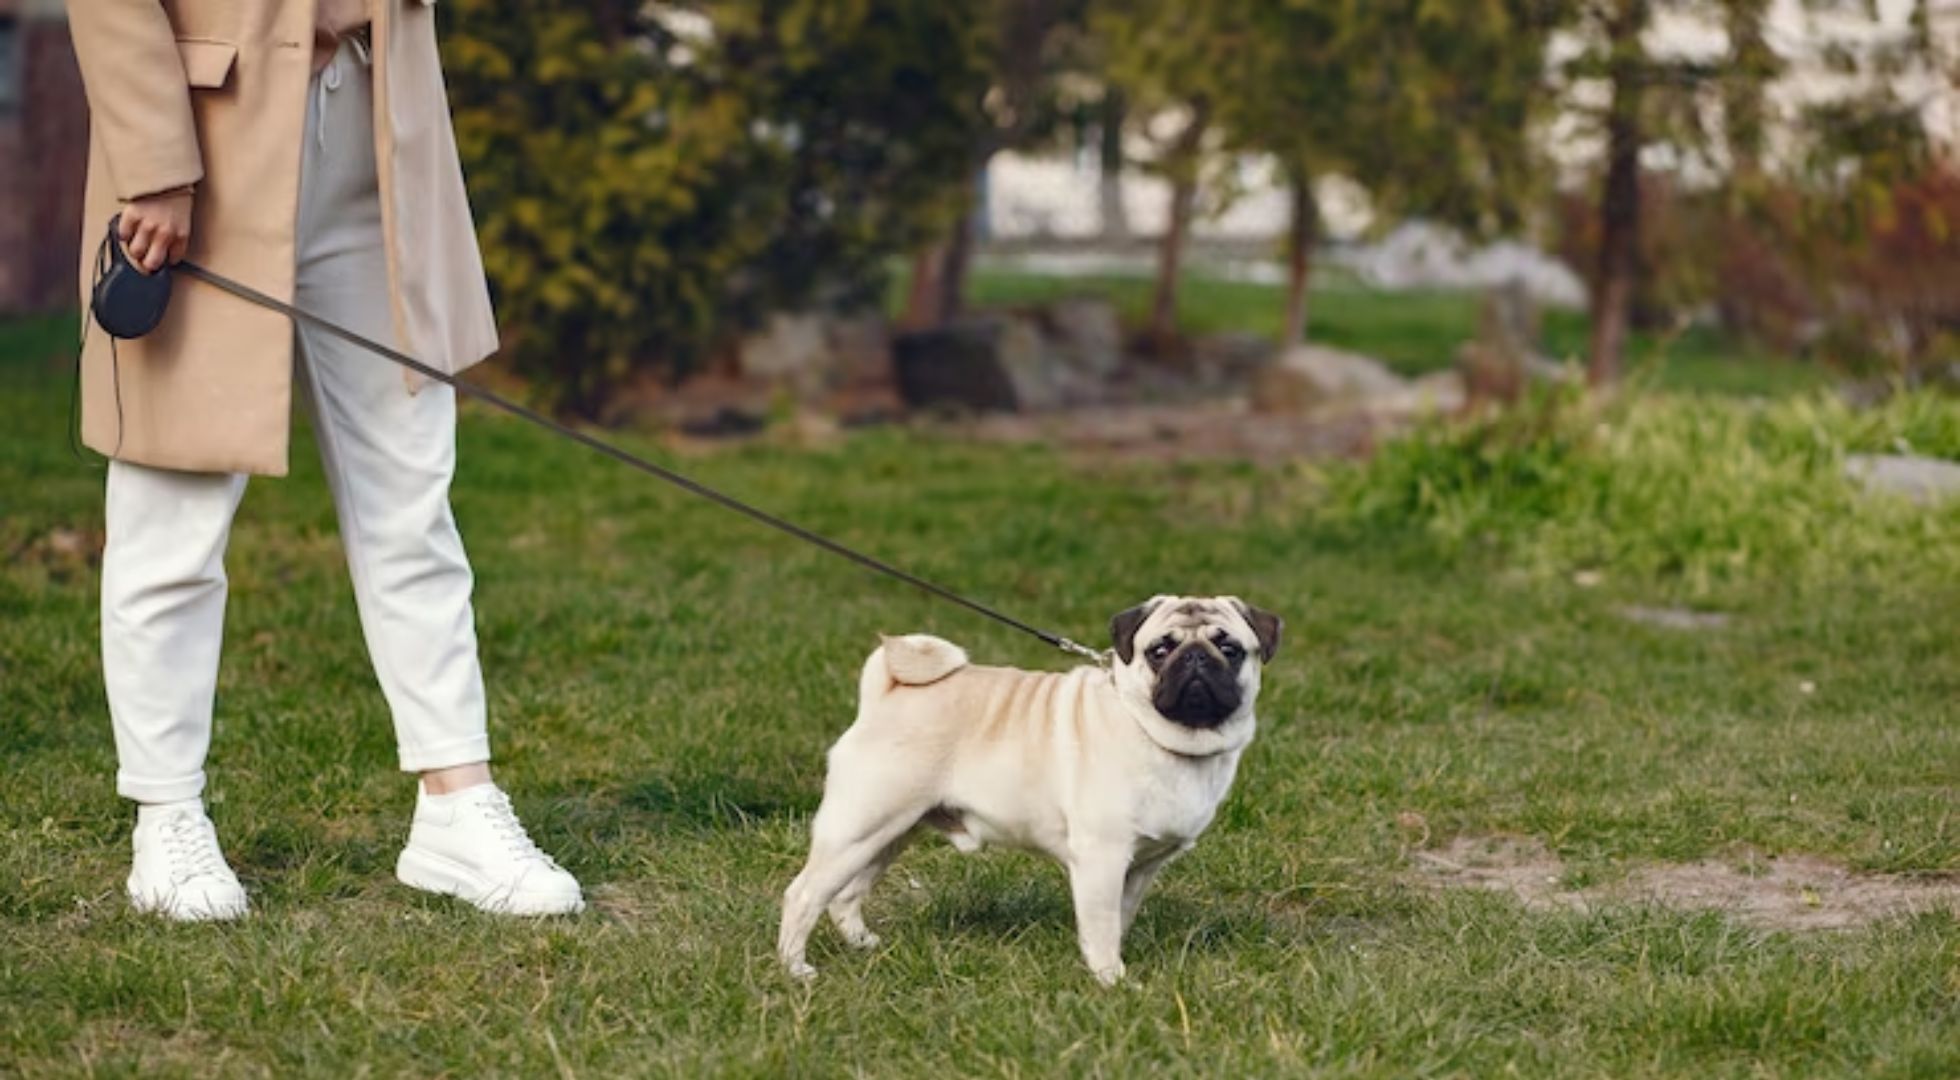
811 355
861 348
1062 354
1439 393
1442 390
980 365
1924 480
790 349
1233 357
1423 255
1038 381
1084 334
1309 377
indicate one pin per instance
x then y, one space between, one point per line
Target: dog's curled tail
912 660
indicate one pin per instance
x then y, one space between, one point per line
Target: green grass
665 678
1694 492
1415 331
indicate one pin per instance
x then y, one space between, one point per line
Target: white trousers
389 456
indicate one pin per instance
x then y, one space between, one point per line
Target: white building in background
1056 197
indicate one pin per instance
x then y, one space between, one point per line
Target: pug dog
1112 771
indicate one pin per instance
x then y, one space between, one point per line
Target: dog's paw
863 939
1110 976
800 970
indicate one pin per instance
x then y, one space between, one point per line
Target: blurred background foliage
654 179
646 186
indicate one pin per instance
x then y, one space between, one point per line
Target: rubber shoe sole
170 905
444 876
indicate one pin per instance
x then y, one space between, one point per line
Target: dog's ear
1265 625
1123 629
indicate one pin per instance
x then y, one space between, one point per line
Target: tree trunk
923 297
1619 208
953 272
1184 162
1109 175
1302 233
1170 257
1619 246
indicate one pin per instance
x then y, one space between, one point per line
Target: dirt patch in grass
1789 892
62 550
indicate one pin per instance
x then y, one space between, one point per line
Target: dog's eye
1162 649
1230 649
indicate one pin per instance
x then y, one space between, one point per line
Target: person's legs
389 455
163 613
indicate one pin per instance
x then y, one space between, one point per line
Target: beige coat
214 93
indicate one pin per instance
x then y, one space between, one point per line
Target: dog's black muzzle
1197 687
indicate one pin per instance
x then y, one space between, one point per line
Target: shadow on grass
1038 904
704 804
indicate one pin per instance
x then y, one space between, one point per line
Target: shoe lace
192 846
503 820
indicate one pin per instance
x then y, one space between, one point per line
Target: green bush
1696 491
645 190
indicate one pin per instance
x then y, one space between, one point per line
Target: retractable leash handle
126 302
129 304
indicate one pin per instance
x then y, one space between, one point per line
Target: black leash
251 295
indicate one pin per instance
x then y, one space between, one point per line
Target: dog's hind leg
841 851
847 911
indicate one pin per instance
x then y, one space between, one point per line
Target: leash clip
1098 657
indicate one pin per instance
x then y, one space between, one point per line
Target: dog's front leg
1137 881
1096 877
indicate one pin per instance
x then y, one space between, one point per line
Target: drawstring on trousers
327 82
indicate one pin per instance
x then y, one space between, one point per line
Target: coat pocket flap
207 64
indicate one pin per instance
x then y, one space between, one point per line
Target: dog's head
1193 663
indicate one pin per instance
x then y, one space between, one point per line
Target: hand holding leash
156 229
127 301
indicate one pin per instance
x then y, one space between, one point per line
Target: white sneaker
469 844
179 872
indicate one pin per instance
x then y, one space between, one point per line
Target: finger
180 247
154 248
137 246
125 227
